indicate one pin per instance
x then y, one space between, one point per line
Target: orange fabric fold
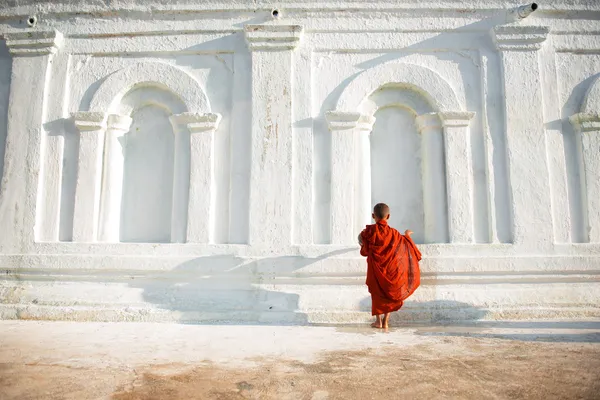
392 266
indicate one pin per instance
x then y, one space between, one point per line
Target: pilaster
528 170
32 53
588 125
91 126
434 178
112 178
348 128
362 165
270 219
459 175
199 221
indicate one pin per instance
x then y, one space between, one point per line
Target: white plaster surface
211 165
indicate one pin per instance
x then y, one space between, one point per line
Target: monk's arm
363 245
414 246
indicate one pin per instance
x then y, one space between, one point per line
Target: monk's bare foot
378 322
385 321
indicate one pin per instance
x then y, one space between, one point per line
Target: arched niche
587 123
416 78
154 74
149 165
398 164
158 133
428 106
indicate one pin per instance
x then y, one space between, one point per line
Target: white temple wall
209 165
5 71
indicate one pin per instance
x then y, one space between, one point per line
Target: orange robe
392 266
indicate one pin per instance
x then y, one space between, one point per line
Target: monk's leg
386 320
377 323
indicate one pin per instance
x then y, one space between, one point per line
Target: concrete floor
484 360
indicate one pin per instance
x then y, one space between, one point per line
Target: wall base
292 290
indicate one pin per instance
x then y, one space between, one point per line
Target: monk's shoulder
368 233
370 228
394 232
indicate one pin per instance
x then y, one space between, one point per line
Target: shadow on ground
524 331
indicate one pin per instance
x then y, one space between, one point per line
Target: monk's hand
408 232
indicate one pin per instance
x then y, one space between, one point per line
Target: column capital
429 121
34 43
197 122
118 122
89 120
273 37
585 122
345 120
514 37
456 119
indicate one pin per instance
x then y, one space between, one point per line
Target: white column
91 127
529 177
271 176
589 127
434 178
112 178
32 53
50 194
362 165
303 169
459 175
345 127
181 178
201 210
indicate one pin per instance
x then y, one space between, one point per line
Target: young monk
392 265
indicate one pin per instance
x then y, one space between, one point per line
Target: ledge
456 119
519 38
273 37
345 120
585 122
197 122
87 121
119 122
33 42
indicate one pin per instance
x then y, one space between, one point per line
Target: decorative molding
118 122
344 120
456 118
428 122
87 121
157 74
365 123
34 43
197 122
514 37
273 37
438 92
585 122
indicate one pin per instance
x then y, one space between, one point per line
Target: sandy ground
486 360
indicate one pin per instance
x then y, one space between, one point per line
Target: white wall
217 165
5 68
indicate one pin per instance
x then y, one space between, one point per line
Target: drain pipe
523 11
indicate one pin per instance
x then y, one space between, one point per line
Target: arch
420 79
591 101
149 95
156 74
390 97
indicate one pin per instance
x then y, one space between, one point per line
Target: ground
484 360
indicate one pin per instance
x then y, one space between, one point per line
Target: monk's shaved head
381 210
